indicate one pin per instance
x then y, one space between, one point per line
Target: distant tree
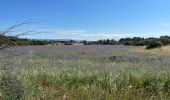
107 41
165 40
100 41
136 39
84 42
127 42
123 40
140 43
153 44
113 42
149 40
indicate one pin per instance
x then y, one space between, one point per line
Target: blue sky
89 19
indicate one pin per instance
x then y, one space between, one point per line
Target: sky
88 19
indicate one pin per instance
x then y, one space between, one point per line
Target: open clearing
165 50
99 72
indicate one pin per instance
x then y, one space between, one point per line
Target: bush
139 43
128 43
167 86
165 40
154 44
10 87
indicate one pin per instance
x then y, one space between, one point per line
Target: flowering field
98 72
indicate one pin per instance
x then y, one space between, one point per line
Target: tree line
11 40
148 42
101 42
135 41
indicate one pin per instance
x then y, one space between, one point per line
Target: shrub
139 43
167 86
128 43
154 44
10 87
165 40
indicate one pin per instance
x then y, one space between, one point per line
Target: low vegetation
84 72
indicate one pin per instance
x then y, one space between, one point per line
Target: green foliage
153 44
136 41
9 40
165 40
167 86
10 87
66 74
149 42
102 42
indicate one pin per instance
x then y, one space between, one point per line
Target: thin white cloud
85 35
165 24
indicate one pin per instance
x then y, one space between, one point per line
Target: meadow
91 72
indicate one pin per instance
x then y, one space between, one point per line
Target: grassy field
84 73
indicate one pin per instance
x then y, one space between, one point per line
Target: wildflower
42 83
130 86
